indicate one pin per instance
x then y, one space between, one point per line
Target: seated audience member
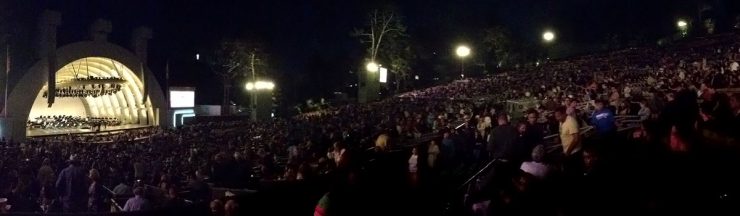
536 166
123 189
138 202
231 208
173 200
217 208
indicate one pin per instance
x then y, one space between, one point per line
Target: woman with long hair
96 193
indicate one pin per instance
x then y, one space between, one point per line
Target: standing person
414 167
603 120
448 149
644 111
96 193
502 140
480 141
569 139
138 170
432 154
523 144
535 130
340 155
45 175
71 187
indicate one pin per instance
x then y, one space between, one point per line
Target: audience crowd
675 96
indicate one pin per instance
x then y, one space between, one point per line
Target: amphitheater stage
37 132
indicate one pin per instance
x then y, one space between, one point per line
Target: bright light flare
260 85
462 51
372 67
548 36
682 24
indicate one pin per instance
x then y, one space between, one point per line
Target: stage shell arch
105 59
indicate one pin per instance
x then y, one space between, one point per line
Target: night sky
309 40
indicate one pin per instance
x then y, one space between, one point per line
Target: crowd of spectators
684 100
462 124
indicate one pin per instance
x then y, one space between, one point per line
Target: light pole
683 27
255 88
548 37
462 51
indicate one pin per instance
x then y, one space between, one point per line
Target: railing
553 139
475 176
113 199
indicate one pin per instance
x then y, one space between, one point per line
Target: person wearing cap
71 187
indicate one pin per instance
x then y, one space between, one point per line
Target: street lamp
462 51
372 67
255 88
548 36
683 27
682 24
260 85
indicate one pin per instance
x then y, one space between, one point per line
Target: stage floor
61 131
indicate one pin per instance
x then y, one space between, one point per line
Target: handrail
583 130
477 174
118 207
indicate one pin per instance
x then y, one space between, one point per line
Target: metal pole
254 93
462 67
7 74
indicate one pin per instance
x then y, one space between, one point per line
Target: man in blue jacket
603 120
72 187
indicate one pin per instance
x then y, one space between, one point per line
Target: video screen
180 99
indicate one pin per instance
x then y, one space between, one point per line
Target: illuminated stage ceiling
125 104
